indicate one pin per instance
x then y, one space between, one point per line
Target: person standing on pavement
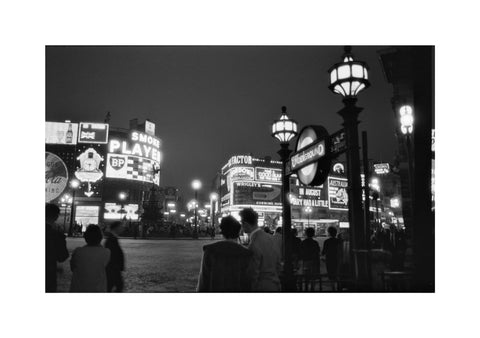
88 263
310 253
225 264
266 264
55 247
331 250
117 259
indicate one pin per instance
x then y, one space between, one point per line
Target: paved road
152 265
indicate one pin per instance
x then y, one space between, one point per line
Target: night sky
209 103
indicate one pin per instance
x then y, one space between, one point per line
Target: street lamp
196 185
74 184
285 130
375 193
308 210
348 78
122 197
406 126
213 200
66 201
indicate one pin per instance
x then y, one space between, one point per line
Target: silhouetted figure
266 264
296 243
88 263
331 249
310 253
55 247
225 264
117 260
278 240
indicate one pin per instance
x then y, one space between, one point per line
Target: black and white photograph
239 169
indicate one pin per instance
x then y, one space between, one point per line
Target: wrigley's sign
309 155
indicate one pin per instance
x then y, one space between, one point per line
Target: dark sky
210 103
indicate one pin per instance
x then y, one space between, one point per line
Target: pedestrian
88 263
225 264
310 253
331 249
278 240
296 243
117 259
55 247
266 264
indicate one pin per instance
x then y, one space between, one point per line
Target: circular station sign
56 176
312 158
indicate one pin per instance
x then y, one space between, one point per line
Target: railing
322 283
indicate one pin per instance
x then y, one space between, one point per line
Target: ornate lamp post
348 78
74 184
196 185
285 130
406 126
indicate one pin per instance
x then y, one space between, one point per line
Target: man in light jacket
266 260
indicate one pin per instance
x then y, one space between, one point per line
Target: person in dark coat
310 253
55 247
117 259
225 264
330 250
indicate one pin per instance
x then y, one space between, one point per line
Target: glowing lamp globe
196 184
349 77
406 119
284 129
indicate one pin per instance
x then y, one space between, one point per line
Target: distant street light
74 184
285 130
122 196
66 201
196 185
308 210
213 199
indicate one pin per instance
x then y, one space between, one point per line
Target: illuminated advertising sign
238 160
338 168
86 214
150 128
225 200
135 159
61 133
267 174
241 173
381 168
131 168
311 197
93 133
56 176
141 145
90 169
252 193
337 193
115 211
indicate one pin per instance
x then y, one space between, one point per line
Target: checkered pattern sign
131 168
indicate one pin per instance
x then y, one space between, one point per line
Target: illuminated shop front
247 181
115 168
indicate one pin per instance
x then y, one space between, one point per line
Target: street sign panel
338 142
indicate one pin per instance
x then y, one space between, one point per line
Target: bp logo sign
312 159
117 162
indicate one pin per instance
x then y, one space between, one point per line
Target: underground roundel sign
312 160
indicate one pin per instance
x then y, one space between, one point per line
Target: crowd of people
228 265
95 267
